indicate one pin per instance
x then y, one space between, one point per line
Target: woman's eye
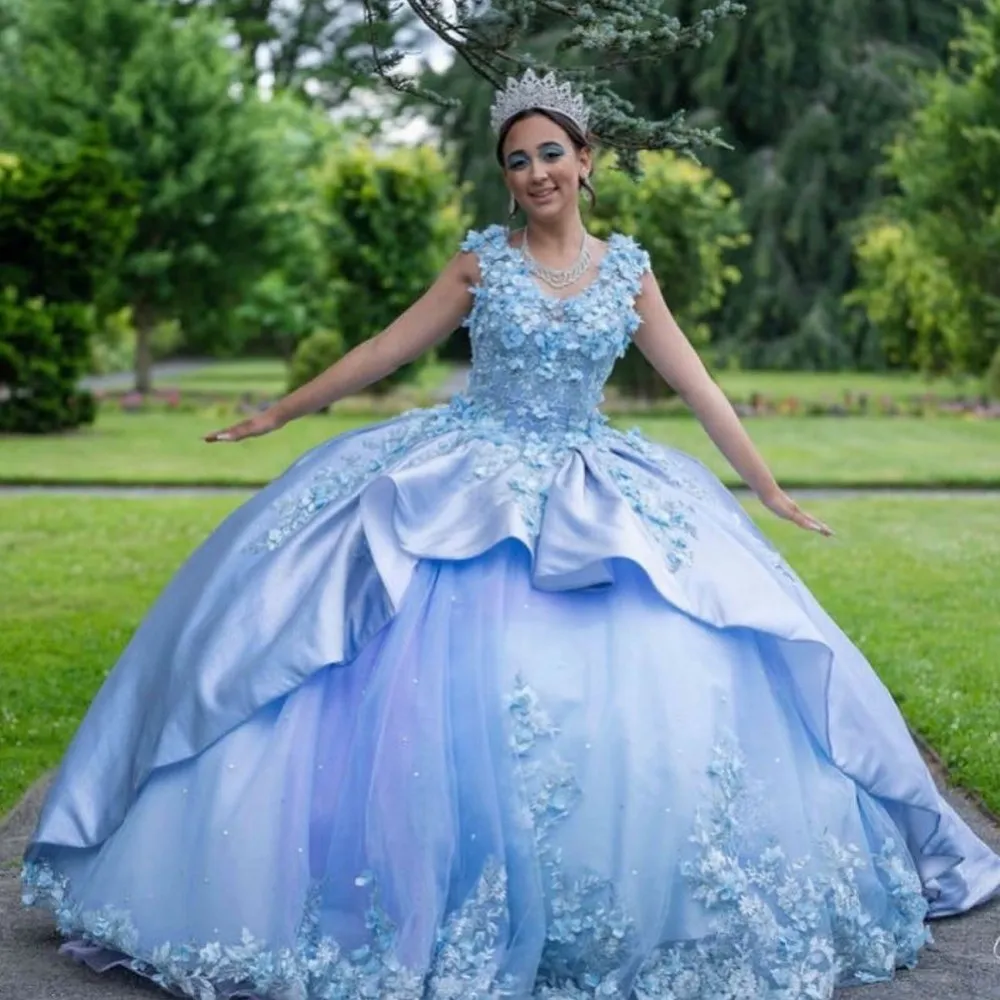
516 162
552 152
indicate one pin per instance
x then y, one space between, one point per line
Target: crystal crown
532 91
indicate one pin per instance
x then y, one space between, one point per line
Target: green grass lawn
260 376
915 582
167 448
266 377
819 386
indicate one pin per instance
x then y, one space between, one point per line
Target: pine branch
604 34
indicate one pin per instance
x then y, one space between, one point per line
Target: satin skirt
349 756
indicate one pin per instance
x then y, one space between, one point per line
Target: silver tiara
534 92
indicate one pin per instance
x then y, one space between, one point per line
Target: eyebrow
547 142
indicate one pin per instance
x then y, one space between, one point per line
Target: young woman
490 700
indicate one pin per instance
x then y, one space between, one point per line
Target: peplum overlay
493 700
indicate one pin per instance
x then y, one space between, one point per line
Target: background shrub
314 355
395 219
63 226
688 220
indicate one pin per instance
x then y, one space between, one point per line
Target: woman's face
542 167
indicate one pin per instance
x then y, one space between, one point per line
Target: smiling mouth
543 194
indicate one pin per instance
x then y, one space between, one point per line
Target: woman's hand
255 426
780 503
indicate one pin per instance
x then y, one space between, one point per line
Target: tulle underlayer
508 793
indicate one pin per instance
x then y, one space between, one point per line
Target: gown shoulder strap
631 261
487 244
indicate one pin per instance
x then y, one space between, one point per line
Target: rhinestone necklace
558 277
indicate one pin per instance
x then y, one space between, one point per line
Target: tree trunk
144 320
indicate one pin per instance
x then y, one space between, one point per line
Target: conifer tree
808 92
805 93
587 42
930 255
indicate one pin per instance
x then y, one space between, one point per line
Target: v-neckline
518 255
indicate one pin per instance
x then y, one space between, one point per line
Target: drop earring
512 207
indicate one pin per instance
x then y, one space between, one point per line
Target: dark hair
576 136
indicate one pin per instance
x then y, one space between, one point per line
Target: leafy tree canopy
216 168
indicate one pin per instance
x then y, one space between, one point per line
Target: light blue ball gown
491 700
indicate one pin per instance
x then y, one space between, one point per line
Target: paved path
163 370
962 964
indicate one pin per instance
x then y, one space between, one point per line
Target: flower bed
848 405
755 405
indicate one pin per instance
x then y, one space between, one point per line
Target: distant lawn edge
987 483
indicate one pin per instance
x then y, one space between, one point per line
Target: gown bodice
540 362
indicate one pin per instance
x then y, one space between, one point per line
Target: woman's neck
556 237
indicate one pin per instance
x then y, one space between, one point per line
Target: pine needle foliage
597 38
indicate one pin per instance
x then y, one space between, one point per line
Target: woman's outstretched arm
425 323
666 348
